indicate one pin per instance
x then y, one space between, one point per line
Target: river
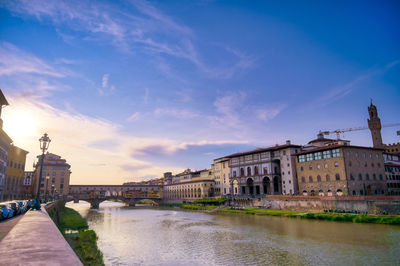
138 236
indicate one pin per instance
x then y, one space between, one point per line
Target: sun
20 123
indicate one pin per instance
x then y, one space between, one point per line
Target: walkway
7 225
35 240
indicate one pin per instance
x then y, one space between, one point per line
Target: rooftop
330 147
259 150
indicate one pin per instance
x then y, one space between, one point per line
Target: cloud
345 89
15 61
134 117
176 113
146 96
138 25
268 113
104 82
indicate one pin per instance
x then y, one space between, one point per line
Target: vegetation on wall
75 230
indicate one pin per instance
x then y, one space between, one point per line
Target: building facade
339 169
5 142
392 171
221 176
27 188
264 171
189 186
55 176
13 187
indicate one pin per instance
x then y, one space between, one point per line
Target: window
350 163
328 178
319 166
302 158
310 167
374 176
360 177
319 178
335 153
354 192
62 180
310 179
337 176
367 177
326 154
255 170
318 156
53 180
326 165
301 168
361 192
54 173
336 164
309 157
380 177
351 177
248 171
241 172
234 173
303 179
372 164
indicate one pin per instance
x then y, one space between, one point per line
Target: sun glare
20 124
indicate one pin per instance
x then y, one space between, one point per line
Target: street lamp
44 145
45 189
52 191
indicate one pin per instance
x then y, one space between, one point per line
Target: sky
128 90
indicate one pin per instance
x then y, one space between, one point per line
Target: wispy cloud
345 89
141 25
15 61
176 113
134 117
104 81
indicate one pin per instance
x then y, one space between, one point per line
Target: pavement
34 239
7 225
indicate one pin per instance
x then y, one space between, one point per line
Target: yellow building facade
15 173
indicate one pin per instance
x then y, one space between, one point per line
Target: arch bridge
95 194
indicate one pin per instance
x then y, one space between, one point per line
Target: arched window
351 177
255 170
319 178
366 176
339 192
248 171
312 193
337 177
241 172
360 177
328 178
303 179
380 177
310 179
304 192
321 193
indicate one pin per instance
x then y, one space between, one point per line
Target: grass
211 201
198 207
358 218
84 242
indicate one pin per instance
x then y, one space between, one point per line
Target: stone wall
369 204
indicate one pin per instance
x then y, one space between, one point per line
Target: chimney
288 142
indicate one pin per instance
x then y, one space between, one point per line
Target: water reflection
169 237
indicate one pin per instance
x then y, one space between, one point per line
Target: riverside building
189 185
58 172
221 176
335 168
264 171
13 187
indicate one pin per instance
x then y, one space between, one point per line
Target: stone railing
35 240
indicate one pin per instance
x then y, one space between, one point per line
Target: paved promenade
35 240
7 225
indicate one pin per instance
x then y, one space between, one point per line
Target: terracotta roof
259 150
321 139
330 147
392 164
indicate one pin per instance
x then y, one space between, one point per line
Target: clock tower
374 124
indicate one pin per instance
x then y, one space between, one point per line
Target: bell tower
374 124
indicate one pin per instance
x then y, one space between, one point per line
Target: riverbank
338 217
82 240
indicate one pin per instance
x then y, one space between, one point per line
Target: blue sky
130 89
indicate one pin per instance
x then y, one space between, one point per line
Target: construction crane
340 131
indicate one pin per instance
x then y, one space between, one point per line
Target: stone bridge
95 194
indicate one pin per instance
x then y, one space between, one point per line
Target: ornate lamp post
45 189
44 145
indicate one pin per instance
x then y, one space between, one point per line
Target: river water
138 236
